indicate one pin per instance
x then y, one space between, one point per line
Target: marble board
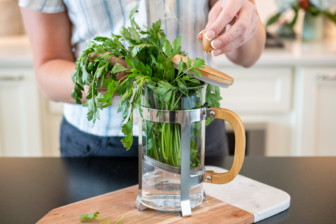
260 199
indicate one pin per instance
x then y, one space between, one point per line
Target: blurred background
287 101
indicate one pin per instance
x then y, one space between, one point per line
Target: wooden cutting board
120 203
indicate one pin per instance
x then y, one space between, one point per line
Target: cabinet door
315 118
326 113
262 96
259 90
51 119
19 114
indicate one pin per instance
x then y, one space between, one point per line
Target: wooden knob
206 44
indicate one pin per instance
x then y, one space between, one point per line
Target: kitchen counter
294 53
31 187
16 51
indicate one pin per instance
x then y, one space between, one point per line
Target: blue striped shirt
91 18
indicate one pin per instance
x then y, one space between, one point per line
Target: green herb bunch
148 54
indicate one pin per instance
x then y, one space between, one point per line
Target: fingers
221 15
121 75
213 14
239 32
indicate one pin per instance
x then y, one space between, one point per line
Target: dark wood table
30 187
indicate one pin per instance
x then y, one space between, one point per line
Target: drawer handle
11 78
326 77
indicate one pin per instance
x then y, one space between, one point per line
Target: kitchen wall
10 18
266 8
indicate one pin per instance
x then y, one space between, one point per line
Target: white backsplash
266 8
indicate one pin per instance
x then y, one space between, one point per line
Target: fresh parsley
148 54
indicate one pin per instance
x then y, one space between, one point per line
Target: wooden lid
207 72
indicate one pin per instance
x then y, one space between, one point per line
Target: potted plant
314 11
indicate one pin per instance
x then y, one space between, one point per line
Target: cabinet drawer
10 76
259 89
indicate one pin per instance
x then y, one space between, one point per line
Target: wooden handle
206 44
239 152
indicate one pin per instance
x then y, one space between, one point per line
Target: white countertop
294 53
16 51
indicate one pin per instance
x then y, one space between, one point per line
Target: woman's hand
231 24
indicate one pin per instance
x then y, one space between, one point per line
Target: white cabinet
19 114
326 117
295 105
315 112
51 119
262 96
259 90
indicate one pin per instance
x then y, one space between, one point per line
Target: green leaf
196 81
127 129
118 68
213 96
189 63
137 48
134 34
88 217
94 216
198 73
99 49
273 19
125 33
167 48
163 87
133 11
177 45
198 63
86 77
168 96
157 25
181 84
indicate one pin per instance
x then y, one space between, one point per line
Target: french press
171 147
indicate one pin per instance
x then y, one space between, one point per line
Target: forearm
54 79
50 37
247 54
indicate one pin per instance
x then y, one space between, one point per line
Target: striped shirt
91 18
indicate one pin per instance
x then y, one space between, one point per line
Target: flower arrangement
313 8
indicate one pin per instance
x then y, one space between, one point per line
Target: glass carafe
171 149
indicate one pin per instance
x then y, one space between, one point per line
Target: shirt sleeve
45 6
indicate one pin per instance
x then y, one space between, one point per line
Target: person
59 30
